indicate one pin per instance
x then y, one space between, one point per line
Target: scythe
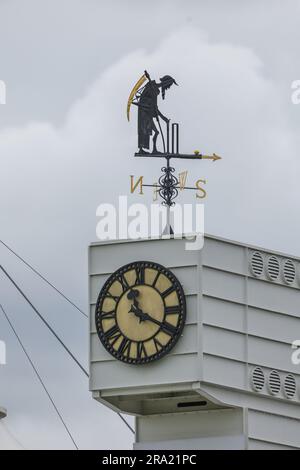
134 90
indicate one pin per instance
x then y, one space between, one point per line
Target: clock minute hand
146 316
138 312
166 327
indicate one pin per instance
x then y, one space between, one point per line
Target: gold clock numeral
141 350
168 291
168 328
156 279
157 344
173 309
133 350
140 275
115 341
113 332
122 280
112 297
111 315
124 347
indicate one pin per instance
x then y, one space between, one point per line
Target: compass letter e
182 179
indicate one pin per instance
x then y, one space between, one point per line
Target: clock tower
196 344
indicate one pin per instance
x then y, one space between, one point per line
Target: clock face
140 312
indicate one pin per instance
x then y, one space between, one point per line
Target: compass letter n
133 185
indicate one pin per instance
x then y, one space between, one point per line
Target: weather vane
145 97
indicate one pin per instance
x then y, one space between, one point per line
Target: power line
56 336
13 436
125 422
44 321
38 376
43 278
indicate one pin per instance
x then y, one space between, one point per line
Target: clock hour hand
132 295
142 316
137 311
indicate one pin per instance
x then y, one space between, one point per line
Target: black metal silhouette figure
148 112
145 97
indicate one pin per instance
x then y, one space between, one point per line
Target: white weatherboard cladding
236 321
182 364
273 428
205 430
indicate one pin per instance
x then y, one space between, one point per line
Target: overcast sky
66 147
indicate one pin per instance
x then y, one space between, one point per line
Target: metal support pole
168 198
168 137
173 148
168 206
175 138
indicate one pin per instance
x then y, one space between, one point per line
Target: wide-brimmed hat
167 81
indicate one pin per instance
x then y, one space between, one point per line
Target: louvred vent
257 264
289 271
258 379
274 382
289 386
273 268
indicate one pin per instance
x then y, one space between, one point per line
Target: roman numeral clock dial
140 312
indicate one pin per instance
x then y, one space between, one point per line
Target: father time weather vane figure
148 112
145 97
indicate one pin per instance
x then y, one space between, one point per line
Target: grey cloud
64 133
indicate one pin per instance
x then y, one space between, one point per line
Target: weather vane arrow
214 157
